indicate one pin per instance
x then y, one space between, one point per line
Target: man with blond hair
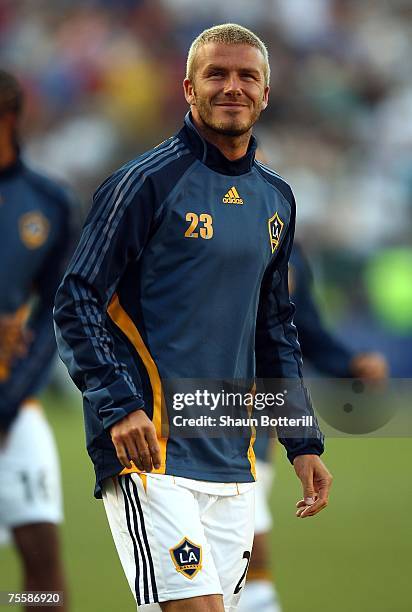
181 274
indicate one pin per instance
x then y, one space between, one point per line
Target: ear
265 97
189 92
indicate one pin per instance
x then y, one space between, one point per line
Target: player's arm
278 356
318 345
37 345
327 353
114 235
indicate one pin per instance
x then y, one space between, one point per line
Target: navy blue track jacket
181 272
35 237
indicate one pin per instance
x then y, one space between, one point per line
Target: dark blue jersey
35 233
181 272
319 346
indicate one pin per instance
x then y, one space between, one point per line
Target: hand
369 366
316 482
14 340
134 439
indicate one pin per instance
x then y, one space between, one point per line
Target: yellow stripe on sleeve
120 317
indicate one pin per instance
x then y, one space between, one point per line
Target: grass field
353 557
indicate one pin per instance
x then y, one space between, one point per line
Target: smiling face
228 90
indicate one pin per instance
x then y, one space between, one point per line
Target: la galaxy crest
275 226
187 558
34 229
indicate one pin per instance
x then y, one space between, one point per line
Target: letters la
187 558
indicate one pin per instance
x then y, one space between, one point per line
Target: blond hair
228 34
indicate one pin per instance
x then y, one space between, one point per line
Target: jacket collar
211 156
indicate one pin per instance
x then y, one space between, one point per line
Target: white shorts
30 489
179 538
263 517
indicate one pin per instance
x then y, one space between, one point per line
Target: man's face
228 91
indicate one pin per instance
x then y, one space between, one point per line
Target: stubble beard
228 128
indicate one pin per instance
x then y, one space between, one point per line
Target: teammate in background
34 240
177 266
329 356
319 346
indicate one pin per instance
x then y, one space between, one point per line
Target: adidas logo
232 197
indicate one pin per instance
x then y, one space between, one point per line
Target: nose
233 85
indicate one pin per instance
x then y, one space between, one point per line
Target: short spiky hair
11 94
228 34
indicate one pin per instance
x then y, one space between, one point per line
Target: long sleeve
29 374
278 354
114 235
318 344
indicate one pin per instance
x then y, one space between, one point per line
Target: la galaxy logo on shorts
34 229
275 226
187 558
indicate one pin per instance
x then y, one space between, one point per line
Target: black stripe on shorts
137 531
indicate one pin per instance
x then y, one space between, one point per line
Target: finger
139 464
300 510
312 510
301 503
308 487
145 458
302 507
154 448
121 453
323 494
303 512
134 454
320 499
141 451
310 499
323 486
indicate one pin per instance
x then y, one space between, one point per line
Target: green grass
356 555
353 557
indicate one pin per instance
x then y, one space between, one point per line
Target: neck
232 147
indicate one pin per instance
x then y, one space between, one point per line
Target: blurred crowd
104 83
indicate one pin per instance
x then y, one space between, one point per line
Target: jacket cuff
114 414
314 448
